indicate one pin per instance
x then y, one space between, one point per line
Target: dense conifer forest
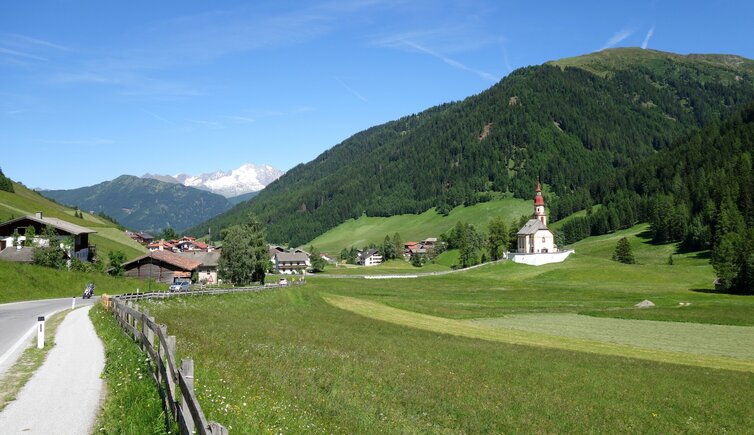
571 122
699 192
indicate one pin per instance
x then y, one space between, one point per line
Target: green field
365 230
27 202
501 348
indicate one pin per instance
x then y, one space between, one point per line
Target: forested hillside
145 204
699 192
570 122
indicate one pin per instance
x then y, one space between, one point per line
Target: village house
140 237
160 245
187 244
291 262
370 257
81 248
207 270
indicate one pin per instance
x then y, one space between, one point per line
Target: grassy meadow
501 348
365 230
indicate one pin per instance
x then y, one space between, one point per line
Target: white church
536 243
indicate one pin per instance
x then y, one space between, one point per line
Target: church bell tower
539 205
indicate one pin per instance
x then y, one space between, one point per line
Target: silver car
179 286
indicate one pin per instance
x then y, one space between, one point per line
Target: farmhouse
81 248
207 270
370 257
140 237
291 262
162 266
535 242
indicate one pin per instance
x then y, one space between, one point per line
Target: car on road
179 286
283 281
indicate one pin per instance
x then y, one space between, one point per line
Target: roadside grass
132 403
365 230
287 361
25 282
14 379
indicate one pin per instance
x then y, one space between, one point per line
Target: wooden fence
176 384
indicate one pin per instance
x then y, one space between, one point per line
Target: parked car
179 286
283 281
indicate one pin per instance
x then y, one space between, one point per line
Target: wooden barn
162 266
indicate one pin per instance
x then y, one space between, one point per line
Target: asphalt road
18 323
63 395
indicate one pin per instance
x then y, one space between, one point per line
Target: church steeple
539 205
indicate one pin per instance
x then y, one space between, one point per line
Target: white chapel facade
534 237
535 242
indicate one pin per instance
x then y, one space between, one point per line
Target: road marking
21 340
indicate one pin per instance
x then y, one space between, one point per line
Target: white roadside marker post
73 302
41 332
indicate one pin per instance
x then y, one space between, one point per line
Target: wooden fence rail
176 385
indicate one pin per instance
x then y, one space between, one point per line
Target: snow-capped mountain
247 178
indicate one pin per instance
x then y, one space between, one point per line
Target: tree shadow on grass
721 292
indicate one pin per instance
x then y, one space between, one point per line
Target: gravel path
63 396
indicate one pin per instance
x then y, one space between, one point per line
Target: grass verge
26 282
132 404
17 376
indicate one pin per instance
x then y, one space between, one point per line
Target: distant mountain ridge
145 204
247 178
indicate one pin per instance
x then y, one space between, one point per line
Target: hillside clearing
365 230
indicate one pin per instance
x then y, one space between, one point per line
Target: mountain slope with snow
245 179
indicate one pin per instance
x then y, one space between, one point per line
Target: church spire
539 205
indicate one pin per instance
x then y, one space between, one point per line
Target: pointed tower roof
538 198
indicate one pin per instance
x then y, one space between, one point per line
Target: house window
543 239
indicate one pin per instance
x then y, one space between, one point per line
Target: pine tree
623 252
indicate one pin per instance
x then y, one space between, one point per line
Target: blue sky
90 90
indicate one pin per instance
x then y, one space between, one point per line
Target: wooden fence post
187 369
169 366
217 428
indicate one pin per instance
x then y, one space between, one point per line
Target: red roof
182 262
538 199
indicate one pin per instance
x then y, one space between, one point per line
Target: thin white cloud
645 43
23 41
617 38
9 52
242 119
351 90
213 124
452 62
158 117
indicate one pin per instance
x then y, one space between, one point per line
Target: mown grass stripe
461 328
